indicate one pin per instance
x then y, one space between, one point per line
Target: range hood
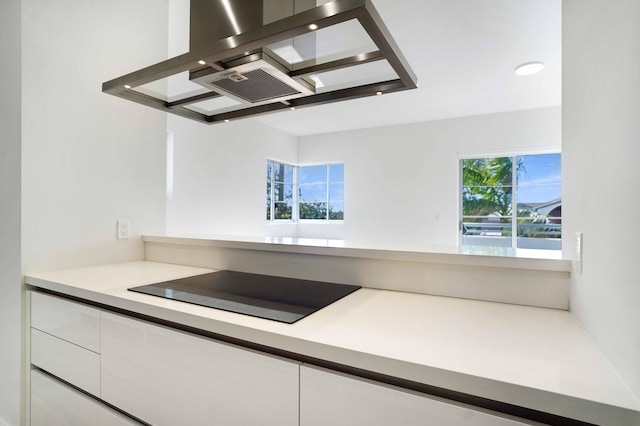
251 57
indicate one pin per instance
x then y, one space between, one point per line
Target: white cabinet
54 404
160 375
65 340
74 364
167 377
70 321
164 376
330 398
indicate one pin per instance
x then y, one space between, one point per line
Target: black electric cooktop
280 299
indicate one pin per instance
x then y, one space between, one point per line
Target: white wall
219 185
89 158
601 147
220 177
401 182
10 286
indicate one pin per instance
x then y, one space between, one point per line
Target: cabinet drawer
331 398
70 321
54 403
70 362
167 377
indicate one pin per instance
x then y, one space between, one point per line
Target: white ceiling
463 53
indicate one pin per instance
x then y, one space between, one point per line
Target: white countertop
532 357
503 257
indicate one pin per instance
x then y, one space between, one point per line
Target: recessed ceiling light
126 86
201 62
226 121
378 93
292 108
313 27
529 68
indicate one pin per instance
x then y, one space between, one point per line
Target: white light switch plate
578 253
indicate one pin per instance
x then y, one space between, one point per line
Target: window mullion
270 181
273 193
514 203
460 202
327 195
295 210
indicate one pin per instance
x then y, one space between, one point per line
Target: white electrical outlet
578 253
122 231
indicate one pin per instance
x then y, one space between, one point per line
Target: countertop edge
442 255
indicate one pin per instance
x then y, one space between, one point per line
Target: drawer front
54 403
167 377
70 321
70 362
330 398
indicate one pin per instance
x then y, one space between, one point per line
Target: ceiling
464 53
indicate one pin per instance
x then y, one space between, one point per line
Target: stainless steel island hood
250 57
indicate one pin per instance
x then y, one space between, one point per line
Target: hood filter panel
255 82
255 86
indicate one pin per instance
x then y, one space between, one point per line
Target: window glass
487 198
312 174
539 178
483 172
336 211
539 190
336 191
336 173
313 192
283 210
315 210
283 173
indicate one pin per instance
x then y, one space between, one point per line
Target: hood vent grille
238 66
255 86
258 81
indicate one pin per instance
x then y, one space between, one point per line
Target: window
280 183
319 192
512 201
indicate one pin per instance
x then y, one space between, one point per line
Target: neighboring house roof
544 208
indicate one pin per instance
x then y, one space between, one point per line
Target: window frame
514 191
327 195
295 214
294 195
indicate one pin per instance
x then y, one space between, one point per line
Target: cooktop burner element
280 299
